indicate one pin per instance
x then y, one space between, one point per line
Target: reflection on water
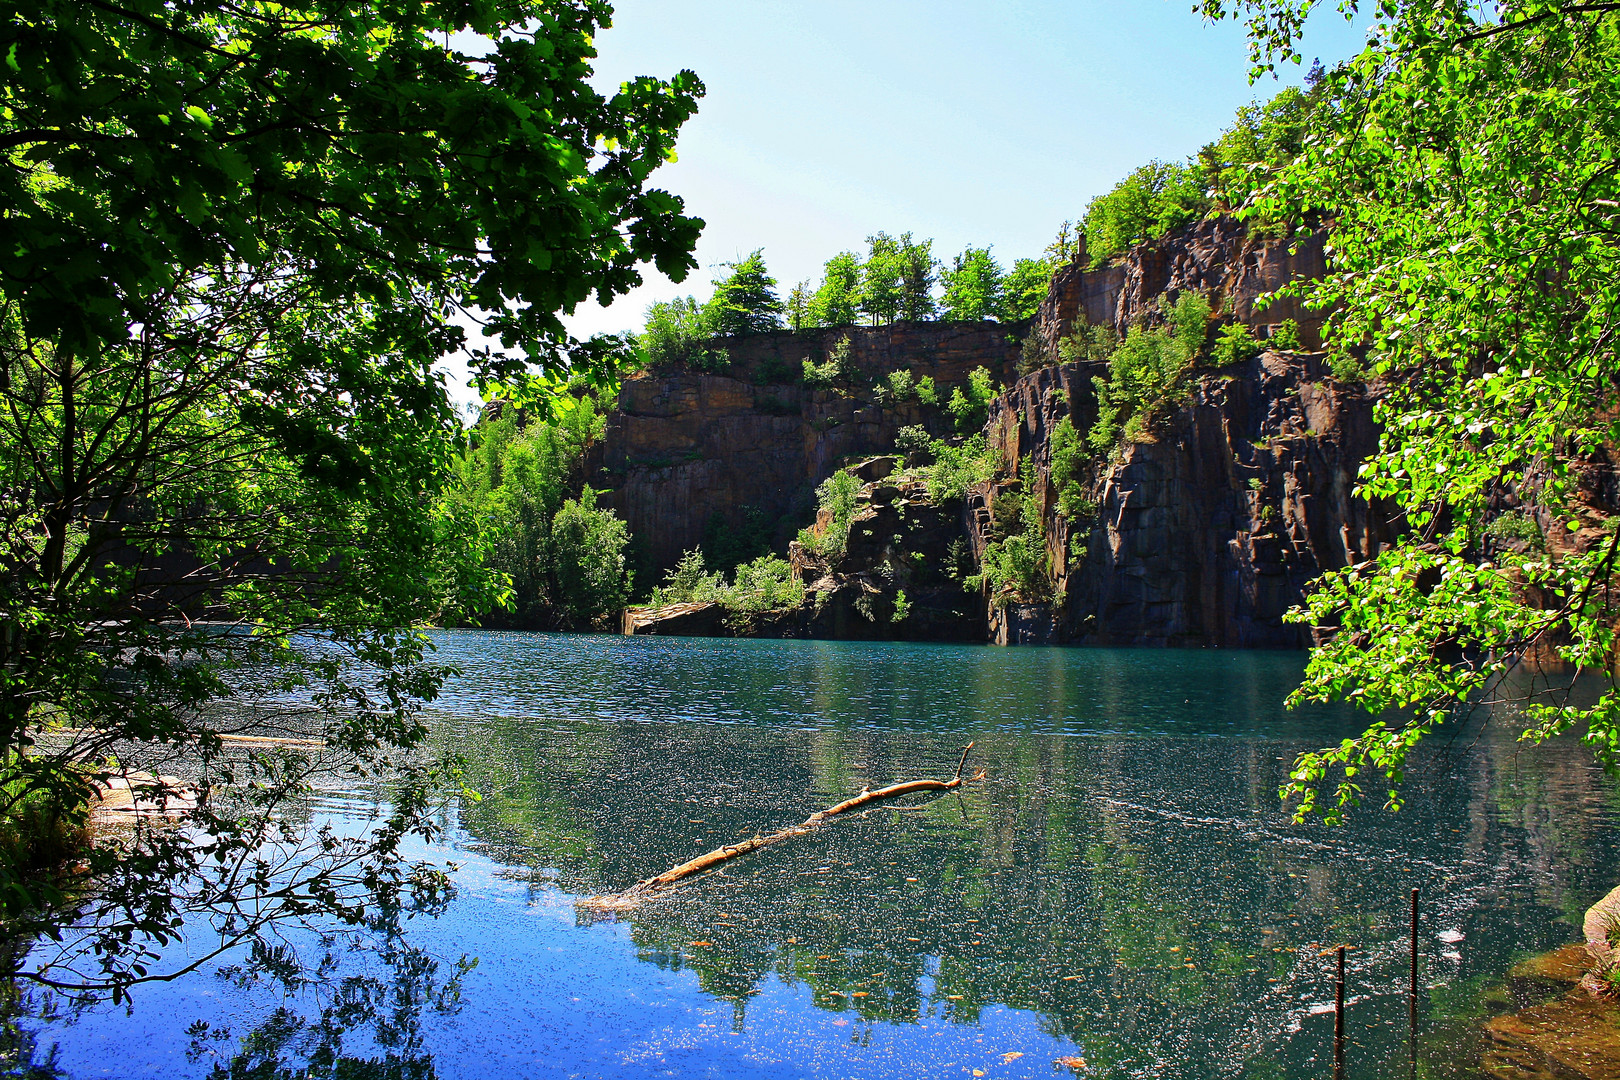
1122 890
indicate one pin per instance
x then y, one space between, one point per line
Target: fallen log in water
652 886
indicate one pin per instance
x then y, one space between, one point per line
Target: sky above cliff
967 121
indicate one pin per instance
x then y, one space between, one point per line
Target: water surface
1121 896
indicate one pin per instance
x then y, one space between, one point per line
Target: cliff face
1217 257
1203 535
683 447
1209 533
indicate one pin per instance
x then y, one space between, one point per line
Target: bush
1235 344
839 369
766 584
1150 370
914 442
957 468
1515 526
927 393
1019 560
837 496
970 409
688 583
1345 367
1088 344
1068 469
676 335
902 608
900 385
1285 338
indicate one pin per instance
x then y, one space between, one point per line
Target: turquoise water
1121 890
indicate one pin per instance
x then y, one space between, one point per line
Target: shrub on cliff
1150 371
970 405
1016 566
838 370
836 497
958 468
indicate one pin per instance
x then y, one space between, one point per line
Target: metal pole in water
1338 1019
1412 992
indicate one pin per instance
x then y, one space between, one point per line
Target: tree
973 286
1151 201
917 279
237 238
799 307
836 298
745 301
1465 162
881 279
525 482
1025 288
591 580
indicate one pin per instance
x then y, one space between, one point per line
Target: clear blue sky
968 122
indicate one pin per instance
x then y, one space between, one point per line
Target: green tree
522 482
973 286
836 299
918 276
588 569
1465 164
799 304
1145 205
1025 288
237 241
882 277
745 301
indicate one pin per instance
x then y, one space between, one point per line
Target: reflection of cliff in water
1144 896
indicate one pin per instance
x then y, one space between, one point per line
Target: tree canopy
1466 163
239 239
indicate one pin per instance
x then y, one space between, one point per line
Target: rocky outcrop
1204 534
1217 257
899 577
1209 532
683 447
704 619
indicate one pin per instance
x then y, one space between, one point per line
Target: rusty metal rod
1338 1019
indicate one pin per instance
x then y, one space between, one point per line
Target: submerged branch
653 886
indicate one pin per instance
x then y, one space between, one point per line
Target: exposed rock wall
1209 533
684 446
1216 256
1203 536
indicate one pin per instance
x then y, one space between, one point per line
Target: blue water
1121 890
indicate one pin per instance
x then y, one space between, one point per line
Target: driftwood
643 890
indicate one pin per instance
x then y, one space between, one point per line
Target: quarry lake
1121 896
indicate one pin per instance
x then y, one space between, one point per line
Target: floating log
652 886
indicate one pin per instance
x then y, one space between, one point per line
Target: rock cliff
1207 534
1204 533
682 447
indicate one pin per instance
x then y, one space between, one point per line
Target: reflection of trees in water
1145 897
382 1010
